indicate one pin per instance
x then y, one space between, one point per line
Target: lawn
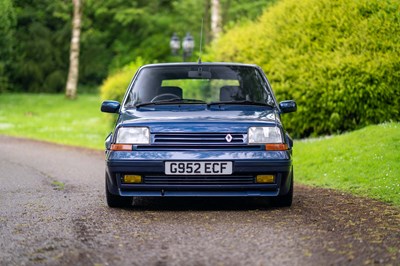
54 118
364 162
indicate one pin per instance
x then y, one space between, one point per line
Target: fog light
265 179
132 179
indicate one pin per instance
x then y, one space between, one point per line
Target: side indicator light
276 147
265 179
132 179
121 147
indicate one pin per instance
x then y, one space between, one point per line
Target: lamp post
187 45
175 44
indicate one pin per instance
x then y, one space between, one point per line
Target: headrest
230 93
171 89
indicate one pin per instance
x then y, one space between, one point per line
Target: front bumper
246 165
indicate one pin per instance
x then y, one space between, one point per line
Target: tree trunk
215 19
73 73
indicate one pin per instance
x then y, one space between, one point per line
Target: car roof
199 64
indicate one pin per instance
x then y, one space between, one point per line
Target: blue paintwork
199 113
231 121
110 106
196 155
199 118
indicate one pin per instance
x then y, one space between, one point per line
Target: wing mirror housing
110 106
288 106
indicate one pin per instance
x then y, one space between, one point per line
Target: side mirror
110 106
288 106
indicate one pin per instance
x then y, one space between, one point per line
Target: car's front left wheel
284 200
116 201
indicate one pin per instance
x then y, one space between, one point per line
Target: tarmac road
53 212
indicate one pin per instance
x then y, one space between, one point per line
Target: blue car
199 130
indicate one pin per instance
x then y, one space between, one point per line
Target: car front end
189 148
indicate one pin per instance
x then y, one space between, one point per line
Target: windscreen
208 84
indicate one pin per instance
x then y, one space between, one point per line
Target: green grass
57 185
54 118
364 162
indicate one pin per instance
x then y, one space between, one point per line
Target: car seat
171 89
230 93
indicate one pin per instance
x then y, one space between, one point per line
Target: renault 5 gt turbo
199 130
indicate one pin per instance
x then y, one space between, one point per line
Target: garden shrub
114 87
340 60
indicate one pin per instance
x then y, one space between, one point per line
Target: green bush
340 60
114 87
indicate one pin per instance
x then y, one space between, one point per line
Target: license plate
198 168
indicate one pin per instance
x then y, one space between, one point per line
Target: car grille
200 180
187 147
203 139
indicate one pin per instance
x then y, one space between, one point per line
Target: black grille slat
195 138
200 180
209 147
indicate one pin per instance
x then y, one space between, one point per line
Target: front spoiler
168 193
142 164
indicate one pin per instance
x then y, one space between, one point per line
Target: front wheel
116 201
284 200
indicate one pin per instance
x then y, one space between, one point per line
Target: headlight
133 135
263 135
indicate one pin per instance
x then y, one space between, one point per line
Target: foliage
339 60
114 33
119 31
7 21
114 87
365 162
41 53
51 117
238 11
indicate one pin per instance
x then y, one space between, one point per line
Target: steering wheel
165 96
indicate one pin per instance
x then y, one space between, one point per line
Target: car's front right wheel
116 201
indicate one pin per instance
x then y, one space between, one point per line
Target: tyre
116 201
284 200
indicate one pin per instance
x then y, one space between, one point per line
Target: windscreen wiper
243 102
187 101
171 101
145 104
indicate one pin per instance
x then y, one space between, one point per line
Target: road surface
53 212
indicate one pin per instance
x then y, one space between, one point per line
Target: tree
73 73
7 21
215 19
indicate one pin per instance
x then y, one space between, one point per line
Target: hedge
114 87
340 60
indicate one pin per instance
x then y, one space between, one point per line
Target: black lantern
187 45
